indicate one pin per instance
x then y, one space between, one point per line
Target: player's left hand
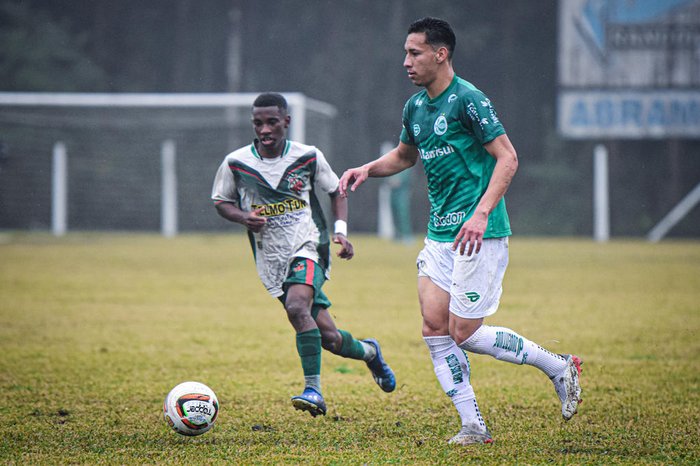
346 251
471 234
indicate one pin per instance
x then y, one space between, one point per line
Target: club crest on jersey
440 126
296 182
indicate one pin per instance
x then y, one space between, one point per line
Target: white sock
506 345
313 381
452 371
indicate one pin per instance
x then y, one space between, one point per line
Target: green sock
350 347
309 349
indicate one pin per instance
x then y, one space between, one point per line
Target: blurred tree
350 54
38 53
183 10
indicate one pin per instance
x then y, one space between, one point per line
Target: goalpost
130 161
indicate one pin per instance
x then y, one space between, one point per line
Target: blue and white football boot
381 371
310 400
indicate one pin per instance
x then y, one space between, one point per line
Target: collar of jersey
442 94
287 146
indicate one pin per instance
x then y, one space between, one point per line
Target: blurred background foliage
350 54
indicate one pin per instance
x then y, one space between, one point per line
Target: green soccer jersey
450 132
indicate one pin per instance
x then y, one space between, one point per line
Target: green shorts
307 272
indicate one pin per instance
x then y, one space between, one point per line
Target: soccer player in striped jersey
469 162
270 186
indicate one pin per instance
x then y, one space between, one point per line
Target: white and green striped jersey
284 187
450 132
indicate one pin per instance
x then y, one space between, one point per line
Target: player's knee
298 310
461 338
434 328
461 333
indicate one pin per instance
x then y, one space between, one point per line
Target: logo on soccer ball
440 126
190 408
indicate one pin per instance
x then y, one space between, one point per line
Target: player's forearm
506 165
503 174
230 212
339 207
389 164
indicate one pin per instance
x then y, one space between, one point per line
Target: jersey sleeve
406 133
479 116
326 179
224 188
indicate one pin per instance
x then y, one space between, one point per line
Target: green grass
96 329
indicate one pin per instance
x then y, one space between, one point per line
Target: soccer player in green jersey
270 187
469 163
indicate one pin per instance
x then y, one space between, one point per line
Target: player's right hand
356 176
346 251
471 235
254 222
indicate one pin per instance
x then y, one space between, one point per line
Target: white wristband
341 227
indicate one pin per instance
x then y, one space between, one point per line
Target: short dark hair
271 99
438 32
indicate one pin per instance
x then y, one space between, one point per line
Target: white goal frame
298 102
299 105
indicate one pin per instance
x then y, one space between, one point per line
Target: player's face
421 60
270 124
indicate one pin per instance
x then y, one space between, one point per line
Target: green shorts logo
472 296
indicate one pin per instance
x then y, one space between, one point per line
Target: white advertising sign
629 68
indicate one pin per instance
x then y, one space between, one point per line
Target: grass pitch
96 329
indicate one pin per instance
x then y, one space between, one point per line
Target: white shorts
475 282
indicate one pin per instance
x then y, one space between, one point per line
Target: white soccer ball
191 408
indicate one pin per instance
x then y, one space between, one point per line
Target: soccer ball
191 408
